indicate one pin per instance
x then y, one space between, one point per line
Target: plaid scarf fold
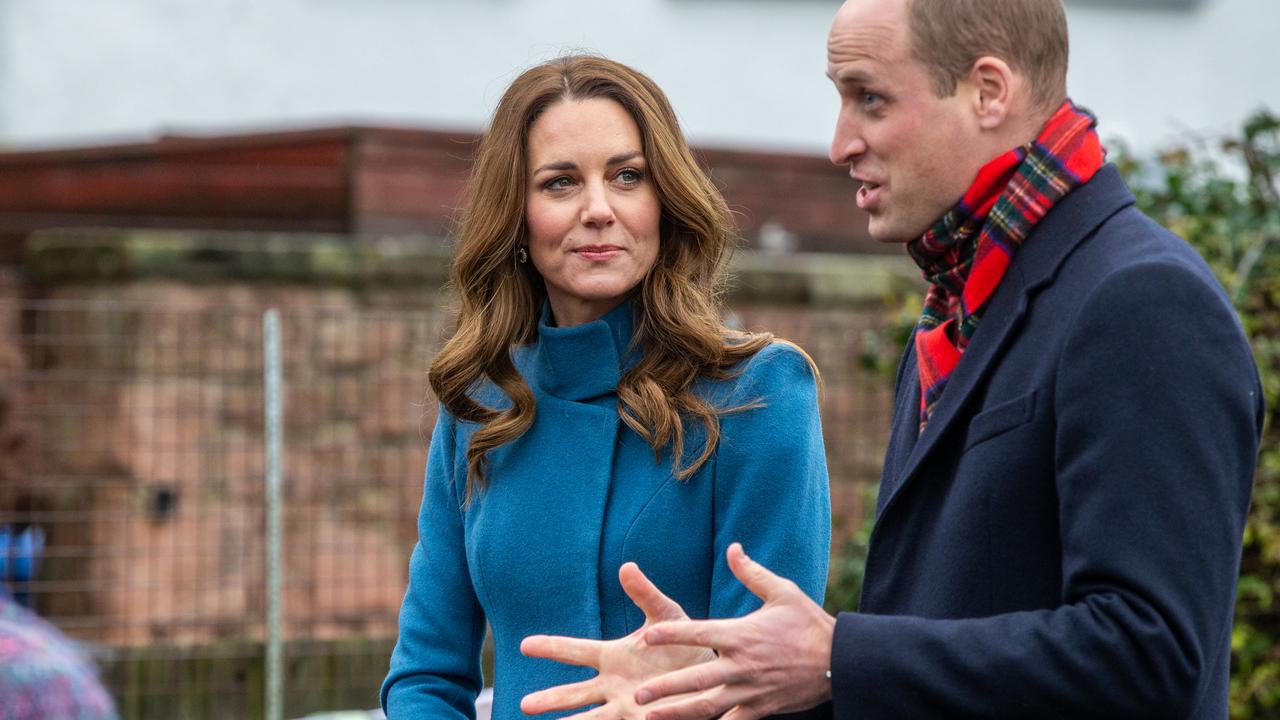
965 254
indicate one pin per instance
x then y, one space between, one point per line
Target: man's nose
847 142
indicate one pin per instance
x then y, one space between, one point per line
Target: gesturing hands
622 664
770 661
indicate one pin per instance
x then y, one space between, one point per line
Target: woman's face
592 210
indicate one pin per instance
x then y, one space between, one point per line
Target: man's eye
870 98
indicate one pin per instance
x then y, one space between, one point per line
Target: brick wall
140 375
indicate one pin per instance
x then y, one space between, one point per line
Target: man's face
912 153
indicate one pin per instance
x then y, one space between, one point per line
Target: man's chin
888 235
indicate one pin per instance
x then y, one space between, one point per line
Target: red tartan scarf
965 254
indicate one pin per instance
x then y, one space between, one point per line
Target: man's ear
994 84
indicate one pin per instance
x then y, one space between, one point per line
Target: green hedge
1223 197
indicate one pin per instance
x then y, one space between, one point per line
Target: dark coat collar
1066 225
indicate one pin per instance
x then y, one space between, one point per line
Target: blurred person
1076 425
596 412
42 674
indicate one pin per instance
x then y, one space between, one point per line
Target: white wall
741 73
1152 75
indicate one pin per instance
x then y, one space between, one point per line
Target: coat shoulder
1131 241
781 367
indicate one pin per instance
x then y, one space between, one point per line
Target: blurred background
170 170
741 73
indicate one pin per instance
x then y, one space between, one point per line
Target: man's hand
622 664
771 661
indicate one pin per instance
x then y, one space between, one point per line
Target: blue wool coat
578 495
1063 538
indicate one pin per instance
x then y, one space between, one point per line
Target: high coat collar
1052 240
584 361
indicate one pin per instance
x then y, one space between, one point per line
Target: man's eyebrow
848 76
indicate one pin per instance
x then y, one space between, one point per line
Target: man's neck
1027 127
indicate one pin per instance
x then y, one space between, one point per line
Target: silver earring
522 255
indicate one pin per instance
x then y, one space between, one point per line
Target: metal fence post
274 440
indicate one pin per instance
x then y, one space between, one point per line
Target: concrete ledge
821 279
59 257
70 256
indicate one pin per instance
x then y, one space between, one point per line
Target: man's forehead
863 46
867 31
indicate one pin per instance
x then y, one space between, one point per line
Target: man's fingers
718 635
655 605
574 651
702 706
562 697
689 680
755 576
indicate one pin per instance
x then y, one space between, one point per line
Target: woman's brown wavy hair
677 309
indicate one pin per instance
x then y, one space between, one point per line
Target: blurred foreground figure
42 675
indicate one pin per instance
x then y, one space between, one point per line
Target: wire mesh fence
135 462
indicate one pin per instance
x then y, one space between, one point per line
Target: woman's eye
557 183
630 176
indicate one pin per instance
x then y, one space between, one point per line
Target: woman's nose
596 209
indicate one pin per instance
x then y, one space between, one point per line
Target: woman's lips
597 252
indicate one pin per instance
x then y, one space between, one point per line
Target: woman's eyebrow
622 157
559 165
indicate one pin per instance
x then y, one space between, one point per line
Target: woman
595 408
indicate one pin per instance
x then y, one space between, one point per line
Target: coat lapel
903 434
1067 224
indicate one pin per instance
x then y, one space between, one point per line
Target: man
1076 421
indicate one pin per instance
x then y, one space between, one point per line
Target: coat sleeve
1158 412
435 667
771 489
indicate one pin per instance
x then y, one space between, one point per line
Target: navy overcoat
1063 539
